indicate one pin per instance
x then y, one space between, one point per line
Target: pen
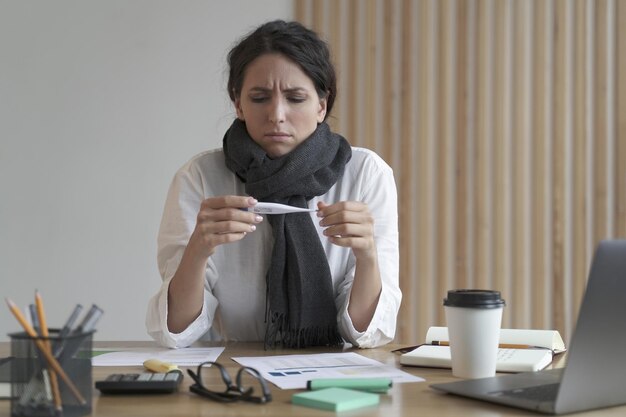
54 382
46 353
501 345
70 321
66 329
33 317
90 319
380 385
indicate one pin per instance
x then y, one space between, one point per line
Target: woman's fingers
348 224
224 220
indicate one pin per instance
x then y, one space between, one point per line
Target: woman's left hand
349 224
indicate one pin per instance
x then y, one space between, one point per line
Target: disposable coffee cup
473 318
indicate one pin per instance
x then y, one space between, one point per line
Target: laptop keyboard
538 393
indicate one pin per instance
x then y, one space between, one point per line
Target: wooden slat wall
505 124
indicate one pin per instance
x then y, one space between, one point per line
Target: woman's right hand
221 220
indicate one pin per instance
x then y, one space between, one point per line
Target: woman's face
279 104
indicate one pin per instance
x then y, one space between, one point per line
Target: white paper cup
474 318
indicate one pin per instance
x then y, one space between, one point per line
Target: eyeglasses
234 392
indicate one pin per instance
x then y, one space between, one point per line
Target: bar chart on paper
293 371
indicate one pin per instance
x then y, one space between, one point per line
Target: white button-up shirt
235 288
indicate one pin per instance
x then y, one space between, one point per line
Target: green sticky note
335 399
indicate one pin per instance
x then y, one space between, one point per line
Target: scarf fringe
278 334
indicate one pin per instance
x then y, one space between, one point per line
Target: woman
298 279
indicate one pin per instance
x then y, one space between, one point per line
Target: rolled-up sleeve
156 320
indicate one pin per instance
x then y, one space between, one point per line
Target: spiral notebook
509 360
538 351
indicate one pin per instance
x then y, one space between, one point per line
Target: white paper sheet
293 371
136 357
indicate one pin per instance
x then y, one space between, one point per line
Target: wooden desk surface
408 399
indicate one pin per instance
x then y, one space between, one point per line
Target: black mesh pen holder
37 389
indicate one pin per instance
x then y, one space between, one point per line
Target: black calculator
142 383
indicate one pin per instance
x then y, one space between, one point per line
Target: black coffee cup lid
474 299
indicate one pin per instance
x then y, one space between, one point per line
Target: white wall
100 103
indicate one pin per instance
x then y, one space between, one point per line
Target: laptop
595 373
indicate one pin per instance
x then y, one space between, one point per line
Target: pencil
51 359
43 325
501 345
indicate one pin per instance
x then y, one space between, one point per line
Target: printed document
136 356
293 371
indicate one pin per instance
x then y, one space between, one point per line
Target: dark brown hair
292 40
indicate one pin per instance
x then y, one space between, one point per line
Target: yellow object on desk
158 366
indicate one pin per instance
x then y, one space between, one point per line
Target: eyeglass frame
233 393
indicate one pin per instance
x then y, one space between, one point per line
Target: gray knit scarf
300 300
